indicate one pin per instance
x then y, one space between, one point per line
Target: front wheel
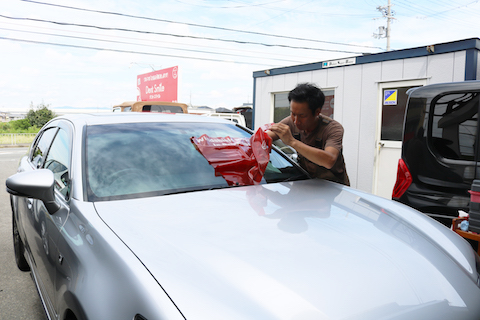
19 248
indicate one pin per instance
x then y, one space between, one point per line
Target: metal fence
16 139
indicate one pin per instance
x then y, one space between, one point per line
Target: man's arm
272 135
325 158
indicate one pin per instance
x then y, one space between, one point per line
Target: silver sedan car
119 216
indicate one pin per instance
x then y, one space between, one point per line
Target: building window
327 109
281 107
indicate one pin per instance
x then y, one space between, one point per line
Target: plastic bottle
464 225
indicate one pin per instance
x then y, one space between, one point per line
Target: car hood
296 250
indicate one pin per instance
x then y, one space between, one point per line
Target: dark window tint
393 112
58 161
454 125
248 114
162 108
41 147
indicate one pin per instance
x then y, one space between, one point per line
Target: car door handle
29 203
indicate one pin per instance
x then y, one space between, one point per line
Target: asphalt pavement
18 296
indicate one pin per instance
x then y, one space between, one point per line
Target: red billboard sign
160 85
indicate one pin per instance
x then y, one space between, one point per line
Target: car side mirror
289 151
37 184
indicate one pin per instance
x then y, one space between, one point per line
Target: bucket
474 212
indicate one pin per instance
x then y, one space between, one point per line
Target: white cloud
29 72
54 56
228 72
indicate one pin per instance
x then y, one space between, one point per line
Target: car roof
136 117
432 90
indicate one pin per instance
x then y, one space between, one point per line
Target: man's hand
325 158
282 131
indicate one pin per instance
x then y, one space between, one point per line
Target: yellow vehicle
151 106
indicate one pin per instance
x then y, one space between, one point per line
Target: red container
474 196
474 212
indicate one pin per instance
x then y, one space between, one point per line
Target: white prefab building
367 95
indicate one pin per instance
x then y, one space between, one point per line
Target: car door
57 161
44 228
32 220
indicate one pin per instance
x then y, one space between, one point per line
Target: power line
198 25
281 14
175 35
431 15
139 44
157 41
295 10
427 12
451 9
128 51
231 7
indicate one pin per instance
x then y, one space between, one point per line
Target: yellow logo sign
390 97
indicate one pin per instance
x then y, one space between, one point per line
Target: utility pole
389 18
382 32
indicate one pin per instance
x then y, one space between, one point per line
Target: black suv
440 150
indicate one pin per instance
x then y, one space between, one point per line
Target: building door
391 111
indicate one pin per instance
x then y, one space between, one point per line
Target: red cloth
240 161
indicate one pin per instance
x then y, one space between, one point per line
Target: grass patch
16 138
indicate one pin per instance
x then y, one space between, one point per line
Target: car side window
161 108
58 161
41 147
454 125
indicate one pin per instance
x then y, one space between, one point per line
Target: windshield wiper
300 176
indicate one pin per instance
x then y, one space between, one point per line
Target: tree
20 125
39 117
4 126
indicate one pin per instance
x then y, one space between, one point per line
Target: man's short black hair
310 93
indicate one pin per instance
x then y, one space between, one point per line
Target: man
316 138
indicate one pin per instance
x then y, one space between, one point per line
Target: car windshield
148 159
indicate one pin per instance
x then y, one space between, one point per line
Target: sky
85 55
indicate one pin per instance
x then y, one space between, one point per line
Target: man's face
302 116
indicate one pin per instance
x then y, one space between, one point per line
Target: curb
14 145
